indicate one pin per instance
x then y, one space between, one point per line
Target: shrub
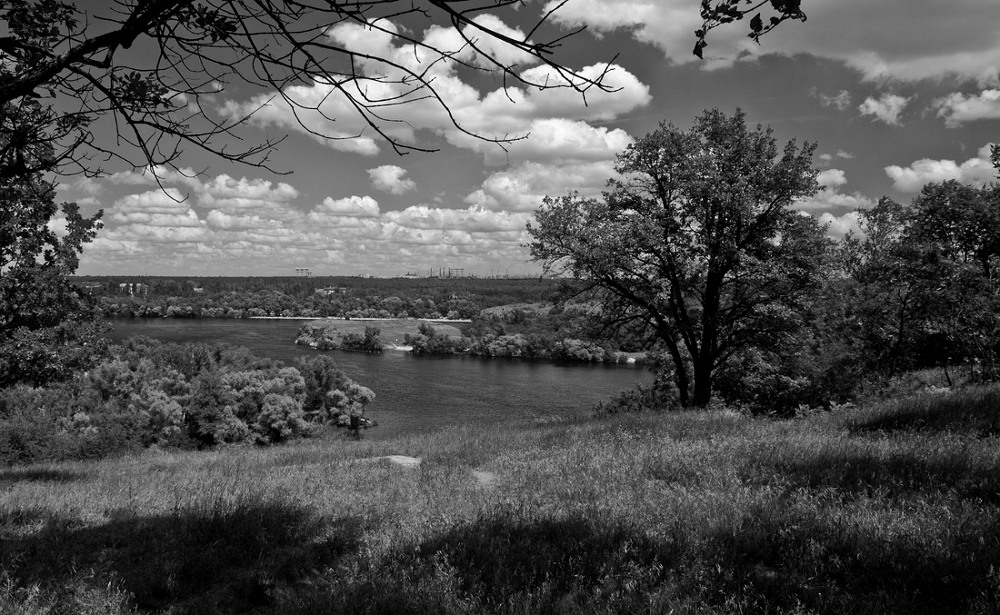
281 417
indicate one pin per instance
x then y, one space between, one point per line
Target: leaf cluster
715 13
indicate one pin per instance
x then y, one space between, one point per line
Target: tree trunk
682 385
702 382
680 368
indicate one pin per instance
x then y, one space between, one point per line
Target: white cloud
354 206
158 175
522 187
325 111
473 219
886 108
225 188
390 178
830 199
838 226
976 171
220 220
81 185
833 207
553 140
840 154
958 109
841 101
831 178
940 38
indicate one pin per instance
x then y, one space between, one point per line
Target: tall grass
683 513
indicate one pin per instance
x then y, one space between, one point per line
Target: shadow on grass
975 411
782 560
16 475
864 471
775 560
212 561
499 565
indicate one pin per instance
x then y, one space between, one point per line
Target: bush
146 393
281 418
658 397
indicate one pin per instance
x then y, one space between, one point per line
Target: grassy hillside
892 509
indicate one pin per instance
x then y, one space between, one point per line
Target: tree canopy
697 242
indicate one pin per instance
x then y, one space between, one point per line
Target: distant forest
337 296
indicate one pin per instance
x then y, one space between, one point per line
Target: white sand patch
484 478
402 460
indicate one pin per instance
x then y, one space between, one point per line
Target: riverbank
864 511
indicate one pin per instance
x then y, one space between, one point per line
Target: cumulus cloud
840 154
841 101
977 171
831 178
939 38
168 202
327 112
522 187
830 200
158 175
838 226
958 109
354 206
81 185
886 108
390 178
349 232
236 192
557 141
217 219
472 220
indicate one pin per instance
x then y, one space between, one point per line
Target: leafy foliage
174 396
43 335
697 243
926 289
715 13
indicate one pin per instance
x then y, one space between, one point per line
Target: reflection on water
419 393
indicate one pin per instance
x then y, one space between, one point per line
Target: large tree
697 242
41 336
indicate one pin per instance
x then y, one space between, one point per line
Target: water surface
421 393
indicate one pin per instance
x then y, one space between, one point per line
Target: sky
896 94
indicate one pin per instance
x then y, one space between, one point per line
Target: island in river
443 337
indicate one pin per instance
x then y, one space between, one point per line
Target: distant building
134 288
332 290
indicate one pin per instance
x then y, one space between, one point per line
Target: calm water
421 393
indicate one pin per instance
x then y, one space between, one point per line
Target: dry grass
684 513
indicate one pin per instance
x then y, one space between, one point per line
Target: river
422 393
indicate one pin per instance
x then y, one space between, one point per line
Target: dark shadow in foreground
202 561
274 558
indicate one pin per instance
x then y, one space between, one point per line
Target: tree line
342 297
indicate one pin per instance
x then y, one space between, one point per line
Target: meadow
888 508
